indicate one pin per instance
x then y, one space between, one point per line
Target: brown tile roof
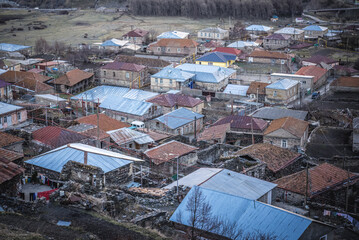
319 59
10 155
171 100
292 125
320 179
346 82
124 66
136 33
243 122
73 77
268 54
229 50
315 71
8 170
149 62
168 151
17 76
214 132
36 86
106 123
8 139
275 157
253 88
165 42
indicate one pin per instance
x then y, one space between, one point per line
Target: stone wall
16 147
214 152
243 139
123 78
30 169
276 141
119 176
10 187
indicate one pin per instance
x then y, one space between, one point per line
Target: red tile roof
106 123
243 122
228 50
8 170
124 66
168 151
315 71
56 136
257 85
136 33
268 54
34 85
8 139
320 179
346 82
165 42
292 125
73 77
275 157
214 132
171 100
10 155
319 59
17 76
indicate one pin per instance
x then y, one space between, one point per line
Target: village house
128 138
314 31
10 177
110 168
173 35
170 79
242 216
123 74
50 100
177 47
152 64
74 81
326 183
214 33
18 76
228 50
242 124
233 91
282 92
267 161
345 84
12 156
306 82
257 90
178 122
219 59
277 41
320 61
104 122
243 45
98 136
258 29
163 158
5 91
230 182
137 36
11 115
113 44
215 134
170 102
287 132
272 113
267 57
11 142
129 110
345 70
295 33
320 75
210 45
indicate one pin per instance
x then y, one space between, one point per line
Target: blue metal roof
8 47
283 84
236 89
178 118
173 35
173 73
242 44
100 93
56 159
217 57
260 28
315 28
206 73
246 215
126 105
6 108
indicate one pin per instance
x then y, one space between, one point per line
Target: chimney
85 158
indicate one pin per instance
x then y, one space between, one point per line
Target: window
161 88
201 34
5 119
168 49
252 96
284 143
156 80
161 81
18 116
127 75
114 74
218 35
200 63
159 49
210 63
205 34
170 81
130 145
104 73
304 82
123 119
178 50
274 93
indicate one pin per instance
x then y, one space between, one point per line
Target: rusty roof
168 151
156 136
10 155
56 137
73 77
106 123
214 132
165 42
346 82
7 139
268 54
136 33
315 71
9 170
243 122
320 179
261 86
17 76
34 85
124 66
294 126
275 157
319 59
171 100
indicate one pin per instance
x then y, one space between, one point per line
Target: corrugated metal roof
246 215
126 105
106 160
8 170
178 117
173 35
217 57
271 113
236 89
214 30
290 30
283 84
139 95
242 44
8 47
50 97
315 28
126 135
6 108
206 73
173 73
260 28
100 93
114 42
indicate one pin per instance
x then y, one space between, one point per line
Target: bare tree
59 48
41 46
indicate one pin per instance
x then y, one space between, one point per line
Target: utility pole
306 184
98 129
257 96
347 192
177 177
252 130
195 127
141 176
